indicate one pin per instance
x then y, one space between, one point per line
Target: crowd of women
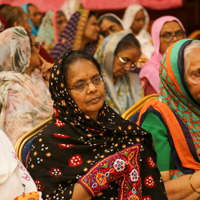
85 71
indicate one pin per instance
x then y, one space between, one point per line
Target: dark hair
12 14
60 13
72 56
110 18
92 13
127 42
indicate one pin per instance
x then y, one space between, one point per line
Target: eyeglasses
168 36
128 62
82 86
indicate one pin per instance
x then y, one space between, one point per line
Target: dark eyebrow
83 80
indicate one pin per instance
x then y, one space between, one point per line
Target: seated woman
25 101
109 23
136 19
86 130
165 31
50 29
15 181
173 120
81 33
15 16
118 55
34 17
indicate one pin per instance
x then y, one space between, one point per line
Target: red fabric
121 4
46 55
99 4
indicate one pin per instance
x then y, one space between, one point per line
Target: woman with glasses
165 31
86 134
118 56
24 101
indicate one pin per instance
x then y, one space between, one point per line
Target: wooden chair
194 34
136 107
23 145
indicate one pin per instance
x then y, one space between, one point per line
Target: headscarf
34 30
143 36
178 108
48 33
24 101
112 15
74 142
150 69
128 90
72 35
3 23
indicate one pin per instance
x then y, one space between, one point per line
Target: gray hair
188 51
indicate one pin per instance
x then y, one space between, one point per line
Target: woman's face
192 76
35 15
90 99
119 68
138 22
170 33
61 23
24 23
108 27
91 29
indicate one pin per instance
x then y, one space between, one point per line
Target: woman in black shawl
88 138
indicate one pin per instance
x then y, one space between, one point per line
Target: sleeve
154 125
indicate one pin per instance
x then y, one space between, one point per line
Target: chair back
23 145
136 107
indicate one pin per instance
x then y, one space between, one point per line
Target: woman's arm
180 188
80 193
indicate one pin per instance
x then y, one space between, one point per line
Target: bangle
192 185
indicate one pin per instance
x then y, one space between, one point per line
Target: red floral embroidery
55 172
65 146
149 182
57 135
75 161
146 198
59 123
151 163
39 185
56 114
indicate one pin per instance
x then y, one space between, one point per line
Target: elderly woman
86 130
174 120
165 31
136 19
118 55
80 33
50 29
24 101
109 23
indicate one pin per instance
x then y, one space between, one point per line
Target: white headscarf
143 36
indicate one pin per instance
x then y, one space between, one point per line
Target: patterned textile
28 196
127 90
72 35
175 96
48 35
34 30
24 101
69 146
143 36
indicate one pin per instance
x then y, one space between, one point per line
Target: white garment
14 178
143 36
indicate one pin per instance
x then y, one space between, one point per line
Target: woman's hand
45 68
80 193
